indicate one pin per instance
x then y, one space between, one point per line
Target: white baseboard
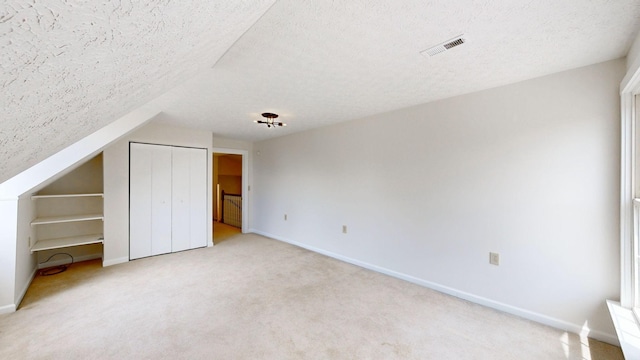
5 309
526 314
115 261
66 260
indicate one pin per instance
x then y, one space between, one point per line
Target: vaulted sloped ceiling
71 67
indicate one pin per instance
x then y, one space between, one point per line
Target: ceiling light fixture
270 120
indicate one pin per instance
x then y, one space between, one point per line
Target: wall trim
523 313
627 140
629 87
115 261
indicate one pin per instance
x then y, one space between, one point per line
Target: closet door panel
198 197
140 201
181 209
168 199
161 200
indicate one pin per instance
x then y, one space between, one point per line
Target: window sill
627 329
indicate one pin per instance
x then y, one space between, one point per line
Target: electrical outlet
344 229
494 258
285 217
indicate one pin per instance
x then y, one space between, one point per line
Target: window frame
629 206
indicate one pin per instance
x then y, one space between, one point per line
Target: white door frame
245 182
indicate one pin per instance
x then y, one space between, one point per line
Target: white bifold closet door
168 199
189 199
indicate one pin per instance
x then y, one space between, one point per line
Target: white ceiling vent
442 47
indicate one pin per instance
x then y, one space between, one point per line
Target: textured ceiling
321 62
68 68
71 67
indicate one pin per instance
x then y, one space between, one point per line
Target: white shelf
67 218
67 242
65 196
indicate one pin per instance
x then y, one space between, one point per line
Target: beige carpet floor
254 298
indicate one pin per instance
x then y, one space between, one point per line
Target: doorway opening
227 195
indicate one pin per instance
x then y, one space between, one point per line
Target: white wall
8 243
17 264
25 261
116 182
633 57
220 142
529 170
